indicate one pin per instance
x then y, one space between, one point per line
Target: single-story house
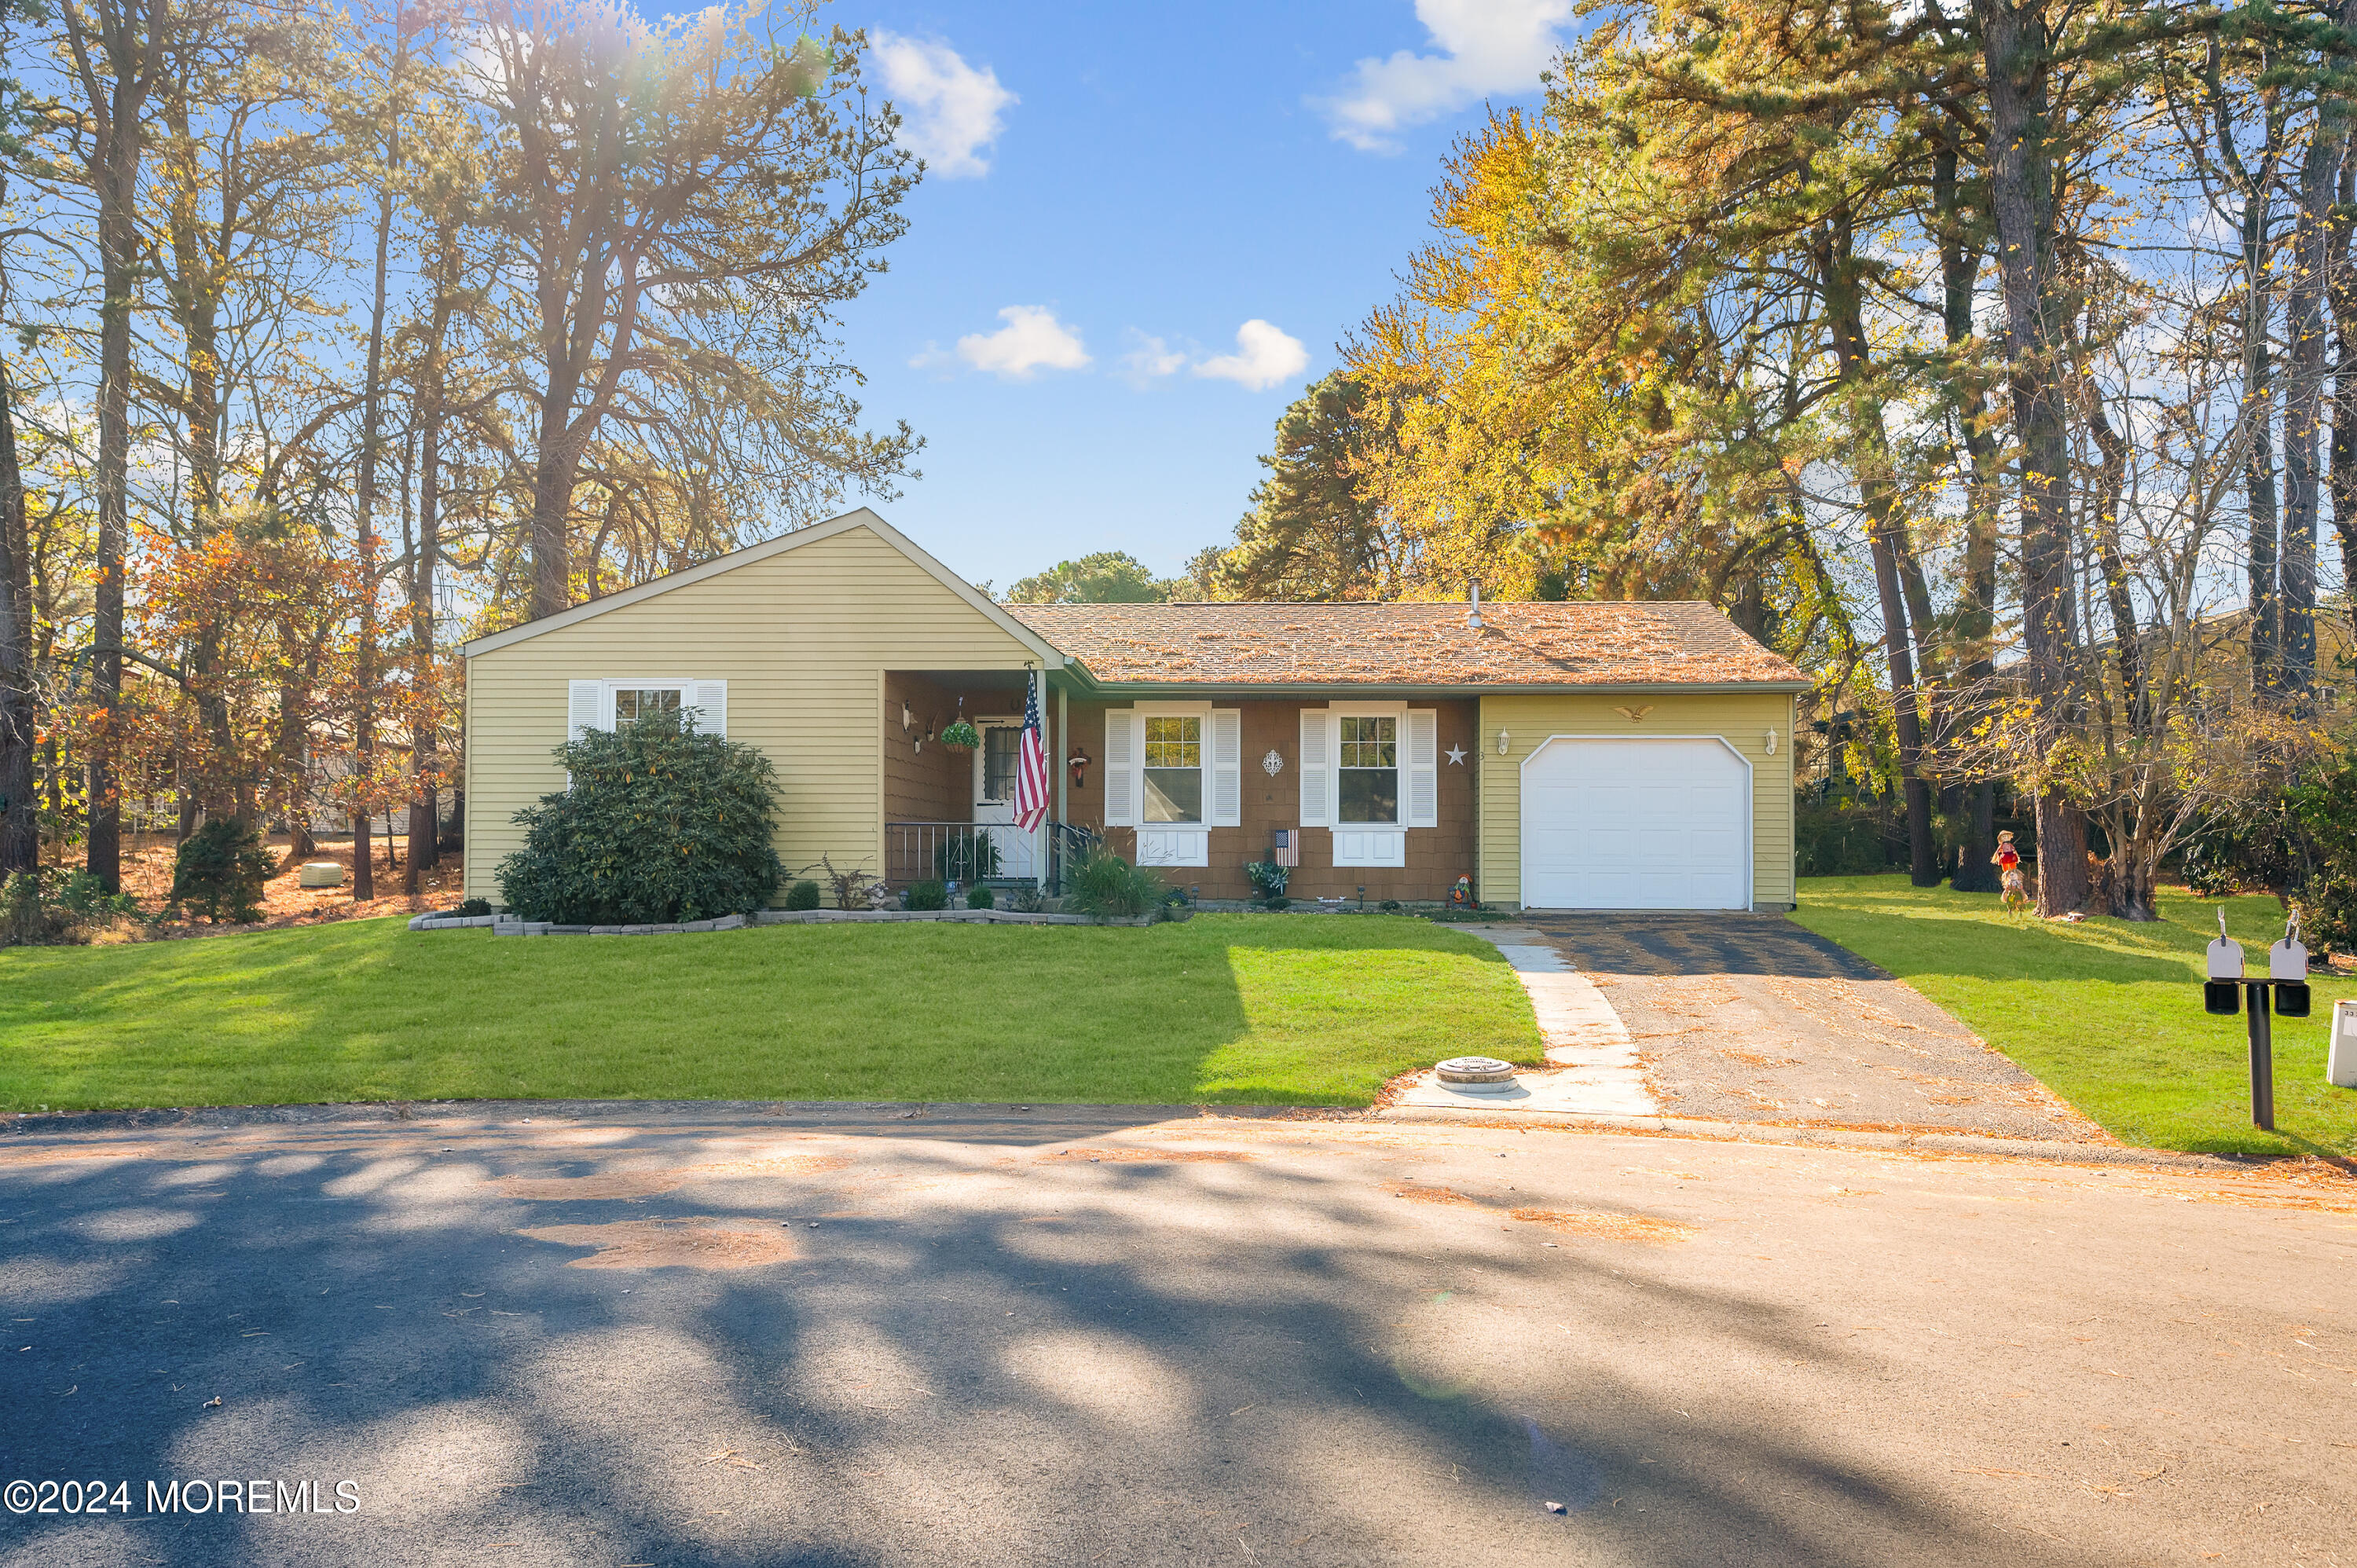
1614 755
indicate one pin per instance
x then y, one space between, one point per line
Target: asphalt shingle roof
1582 643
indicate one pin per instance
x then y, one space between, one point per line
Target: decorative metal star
1456 757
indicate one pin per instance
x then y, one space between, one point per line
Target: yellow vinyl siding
1742 720
802 637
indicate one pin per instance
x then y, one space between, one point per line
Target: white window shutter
1316 769
1121 775
712 707
1227 767
1422 769
585 708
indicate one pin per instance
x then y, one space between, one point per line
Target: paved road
1752 1018
1077 1336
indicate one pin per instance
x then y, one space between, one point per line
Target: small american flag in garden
1031 763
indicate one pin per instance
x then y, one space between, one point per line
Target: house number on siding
1273 763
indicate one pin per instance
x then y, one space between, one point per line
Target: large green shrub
1110 887
929 896
2326 807
221 866
661 824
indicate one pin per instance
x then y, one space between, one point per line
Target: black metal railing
975 852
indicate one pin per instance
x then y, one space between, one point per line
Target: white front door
1636 824
993 795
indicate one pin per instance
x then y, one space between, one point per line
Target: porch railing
977 851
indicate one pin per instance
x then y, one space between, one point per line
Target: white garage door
1636 824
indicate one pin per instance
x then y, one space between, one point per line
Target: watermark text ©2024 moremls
197 1497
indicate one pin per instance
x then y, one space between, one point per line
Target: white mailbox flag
2225 953
2287 959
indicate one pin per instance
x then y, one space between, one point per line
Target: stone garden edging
502 926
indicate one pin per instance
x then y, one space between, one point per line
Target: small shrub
1279 902
26 918
1110 887
929 896
221 868
38 908
803 895
661 824
853 889
1027 900
980 898
1268 879
1390 905
474 908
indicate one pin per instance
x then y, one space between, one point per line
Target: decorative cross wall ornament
1273 763
1456 757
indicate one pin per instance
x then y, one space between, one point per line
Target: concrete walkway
1596 1070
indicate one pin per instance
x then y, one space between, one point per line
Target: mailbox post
2283 989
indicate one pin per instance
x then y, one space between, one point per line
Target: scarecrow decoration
1462 896
2007 861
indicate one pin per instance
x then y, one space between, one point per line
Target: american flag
1031 763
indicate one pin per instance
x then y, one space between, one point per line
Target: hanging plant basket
961 735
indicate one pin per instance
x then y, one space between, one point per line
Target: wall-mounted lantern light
1771 743
907 721
1502 743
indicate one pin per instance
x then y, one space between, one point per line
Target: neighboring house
1564 756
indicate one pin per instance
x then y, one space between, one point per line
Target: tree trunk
1885 536
371 420
1975 636
2319 174
20 833
2341 289
118 270
425 697
2022 202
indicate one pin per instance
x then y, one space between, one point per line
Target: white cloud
1264 356
951 113
1150 358
1484 47
1031 338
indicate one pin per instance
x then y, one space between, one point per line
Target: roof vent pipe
1474 616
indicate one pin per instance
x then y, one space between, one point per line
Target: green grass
2107 1013
1238 1009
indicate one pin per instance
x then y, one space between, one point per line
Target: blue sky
1132 186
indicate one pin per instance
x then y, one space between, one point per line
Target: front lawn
2107 1012
1239 1009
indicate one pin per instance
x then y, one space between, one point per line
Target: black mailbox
2291 998
2224 997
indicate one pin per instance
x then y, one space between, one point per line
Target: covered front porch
949 810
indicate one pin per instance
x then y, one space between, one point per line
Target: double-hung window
1369 763
1173 770
609 704
634 703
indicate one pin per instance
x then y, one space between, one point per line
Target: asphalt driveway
640 1334
1743 1017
